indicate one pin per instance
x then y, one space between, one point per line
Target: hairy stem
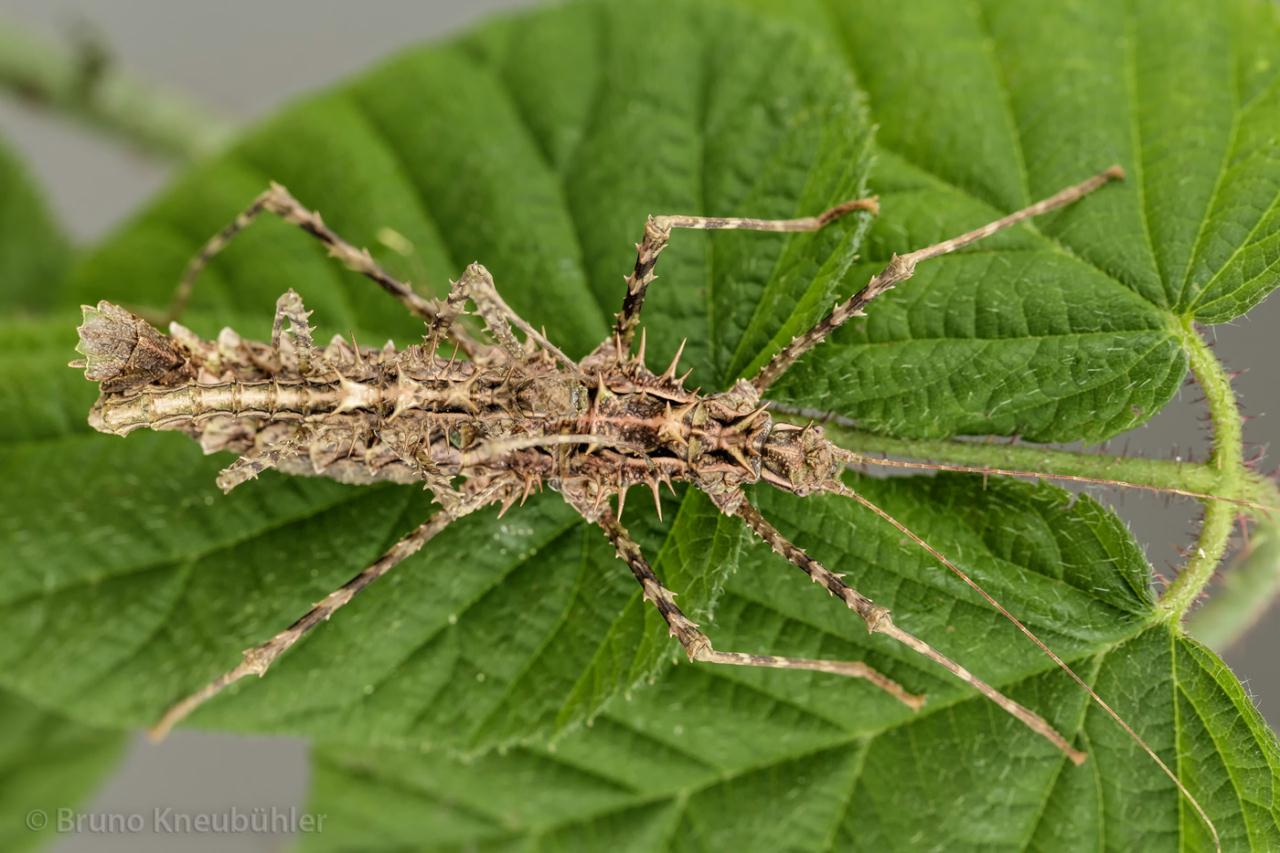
83 83
1160 474
1256 579
1228 458
1249 587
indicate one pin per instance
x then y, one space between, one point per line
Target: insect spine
412 415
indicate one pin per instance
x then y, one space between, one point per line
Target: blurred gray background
226 56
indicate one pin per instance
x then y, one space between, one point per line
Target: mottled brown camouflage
489 421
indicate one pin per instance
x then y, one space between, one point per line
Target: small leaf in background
34 256
48 766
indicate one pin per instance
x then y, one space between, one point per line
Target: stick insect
492 417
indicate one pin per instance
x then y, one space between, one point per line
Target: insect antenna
839 488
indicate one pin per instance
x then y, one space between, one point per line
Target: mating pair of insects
490 417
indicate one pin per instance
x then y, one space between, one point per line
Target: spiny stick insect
512 416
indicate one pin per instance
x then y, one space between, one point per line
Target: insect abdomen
166 408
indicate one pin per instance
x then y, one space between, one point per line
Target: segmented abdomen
168 408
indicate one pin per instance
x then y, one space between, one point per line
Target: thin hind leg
835 487
258 659
880 621
277 200
698 646
657 233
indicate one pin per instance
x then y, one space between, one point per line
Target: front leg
902 267
657 233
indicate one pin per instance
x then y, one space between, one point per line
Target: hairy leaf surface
1068 328
822 789
537 147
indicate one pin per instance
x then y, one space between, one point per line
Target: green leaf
34 256
744 759
48 766
1067 328
537 146
658 790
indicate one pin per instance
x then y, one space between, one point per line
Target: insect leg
277 200
259 658
698 646
216 243
477 285
280 442
250 465
657 232
291 332
902 267
879 621
841 489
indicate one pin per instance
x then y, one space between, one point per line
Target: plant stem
84 84
1246 592
1256 578
1228 458
1160 474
